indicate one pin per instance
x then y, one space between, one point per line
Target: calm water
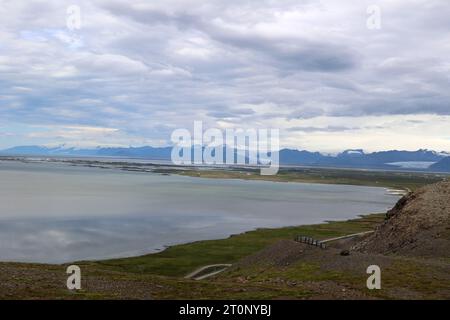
59 213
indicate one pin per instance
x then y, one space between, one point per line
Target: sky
330 75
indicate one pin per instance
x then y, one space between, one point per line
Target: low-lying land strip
409 181
406 180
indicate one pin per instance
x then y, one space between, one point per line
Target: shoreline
256 272
169 247
195 242
162 276
390 190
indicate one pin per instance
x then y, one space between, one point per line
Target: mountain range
441 166
420 160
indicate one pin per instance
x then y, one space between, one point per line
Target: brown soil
280 254
419 225
326 274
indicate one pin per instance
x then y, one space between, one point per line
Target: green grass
181 259
160 275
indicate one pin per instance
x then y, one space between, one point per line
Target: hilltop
419 225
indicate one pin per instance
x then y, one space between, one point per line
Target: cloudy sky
328 74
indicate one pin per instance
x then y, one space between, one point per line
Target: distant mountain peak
354 151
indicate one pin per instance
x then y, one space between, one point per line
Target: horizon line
68 147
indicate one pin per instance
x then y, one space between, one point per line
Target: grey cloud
231 113
290 52
322 129
144 64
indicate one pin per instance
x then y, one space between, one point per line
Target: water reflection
53 213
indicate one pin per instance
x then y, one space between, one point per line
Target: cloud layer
136 70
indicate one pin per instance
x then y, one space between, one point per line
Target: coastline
161 275
313 274
320 231
298 208
397 192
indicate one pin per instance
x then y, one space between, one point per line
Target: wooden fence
310 241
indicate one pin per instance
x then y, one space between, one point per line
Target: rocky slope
419 225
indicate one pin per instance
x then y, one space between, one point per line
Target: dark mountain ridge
356 158
441 166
